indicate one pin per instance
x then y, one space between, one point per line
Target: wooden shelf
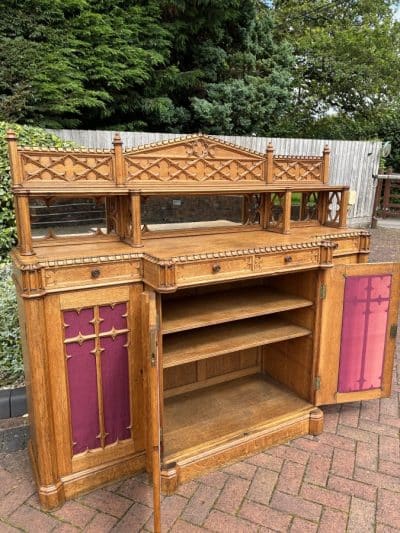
206 417
180 348
216 308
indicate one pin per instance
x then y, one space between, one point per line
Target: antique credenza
180 348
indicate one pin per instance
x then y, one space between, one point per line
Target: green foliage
28 136
347 63
11 367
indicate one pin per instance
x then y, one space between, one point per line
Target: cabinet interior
236 356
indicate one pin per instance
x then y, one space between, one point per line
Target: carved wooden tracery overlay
333 211
365 316
252 209
276 210
297 169
66 166
196 160
307 208
96 349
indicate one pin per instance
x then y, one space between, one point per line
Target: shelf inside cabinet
216 308
211 341
201 419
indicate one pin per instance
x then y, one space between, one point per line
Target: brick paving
347 479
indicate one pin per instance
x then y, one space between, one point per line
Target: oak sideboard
179 347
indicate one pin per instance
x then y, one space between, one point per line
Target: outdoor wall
352 162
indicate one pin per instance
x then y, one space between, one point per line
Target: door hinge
322 291
153 347
393 331
317 383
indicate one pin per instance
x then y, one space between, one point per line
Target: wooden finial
269 163
325 164
11 135
117 139
327 150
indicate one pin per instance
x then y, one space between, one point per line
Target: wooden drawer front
213 269
349 245
288 260
92 274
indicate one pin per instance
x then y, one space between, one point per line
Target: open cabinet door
150 346
357 336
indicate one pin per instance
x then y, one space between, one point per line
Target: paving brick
296 505
30 519
222 522
361 516
370 410
101 523
200 504
387 467
326 497
291 477
6 528
367 455
389 407
134 490
181 526
232 495
265 516
302 526
349 414
66 528
357 434
270 462
313 445
336 441
390 421
7 482
377 479
389 449
388 508
107 502
214 479
317 470
352 488
75 513
241 469
343 463
15 498
171 509
291 453
262 486
134 520
331 419
377 427
333 521
383 528
187 490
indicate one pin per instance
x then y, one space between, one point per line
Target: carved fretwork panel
333 208
275 211
68 167
197 160
253 204
305 207
96 343
297 169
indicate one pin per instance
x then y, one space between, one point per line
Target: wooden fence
352 162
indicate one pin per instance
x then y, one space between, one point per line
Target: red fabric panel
365 315
115 377
82 384
78 321
112 316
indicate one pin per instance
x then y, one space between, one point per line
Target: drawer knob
95 273
216 268
288 258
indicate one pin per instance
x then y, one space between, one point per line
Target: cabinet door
357 332
150 339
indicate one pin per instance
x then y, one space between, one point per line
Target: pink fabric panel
82 383
75 322
365 315
115 377
112 316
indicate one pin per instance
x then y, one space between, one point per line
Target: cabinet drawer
288 260
213 269
347 245
92 274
